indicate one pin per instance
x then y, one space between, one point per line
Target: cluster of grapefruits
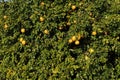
5 25
21 39
75 39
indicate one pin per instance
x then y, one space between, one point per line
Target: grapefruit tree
55 40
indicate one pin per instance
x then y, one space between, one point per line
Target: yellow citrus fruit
73 7
42 3
68 24
79 37
23 42
73 38
42 19
46 31
60 28
94 33
75 21
21 39
70 41
4 17
90 14
77 42
86 58
91 50
5 26
23 30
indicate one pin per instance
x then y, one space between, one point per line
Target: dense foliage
60 40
